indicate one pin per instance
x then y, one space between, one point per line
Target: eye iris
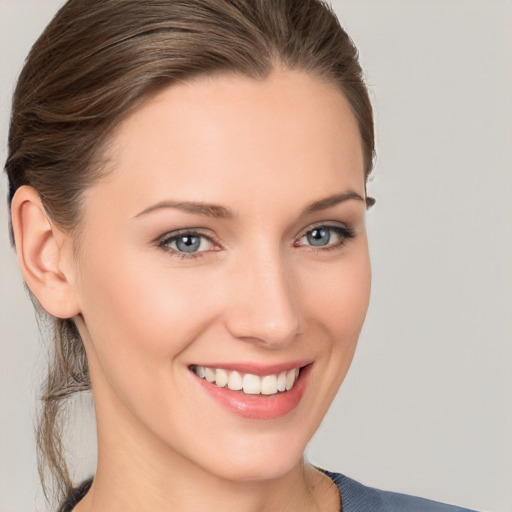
187 243
319 236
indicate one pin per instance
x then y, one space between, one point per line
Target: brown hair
99 59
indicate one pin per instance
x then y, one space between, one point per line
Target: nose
264 306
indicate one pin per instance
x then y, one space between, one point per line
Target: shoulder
357 497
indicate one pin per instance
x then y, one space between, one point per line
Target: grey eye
319 236
326 237
187 243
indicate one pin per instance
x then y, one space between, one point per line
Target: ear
45 255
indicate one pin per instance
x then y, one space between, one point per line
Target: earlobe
44 254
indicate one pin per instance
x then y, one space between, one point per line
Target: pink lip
258 407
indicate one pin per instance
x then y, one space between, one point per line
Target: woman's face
227 243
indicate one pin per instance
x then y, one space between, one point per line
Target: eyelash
344 232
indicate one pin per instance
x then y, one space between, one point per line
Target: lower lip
259 407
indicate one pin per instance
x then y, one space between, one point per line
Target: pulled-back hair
94 64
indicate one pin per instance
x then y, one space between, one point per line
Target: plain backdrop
427 406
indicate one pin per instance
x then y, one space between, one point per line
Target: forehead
213 138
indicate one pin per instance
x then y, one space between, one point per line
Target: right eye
187 244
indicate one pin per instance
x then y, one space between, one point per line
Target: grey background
427 406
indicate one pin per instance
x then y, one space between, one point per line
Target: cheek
140 317
338 298
336 302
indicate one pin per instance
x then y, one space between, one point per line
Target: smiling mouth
249 383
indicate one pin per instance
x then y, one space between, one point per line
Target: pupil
319 237
188 243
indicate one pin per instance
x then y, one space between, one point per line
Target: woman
188 197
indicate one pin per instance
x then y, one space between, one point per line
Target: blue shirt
356 497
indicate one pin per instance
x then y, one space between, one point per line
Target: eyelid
326 224
186 231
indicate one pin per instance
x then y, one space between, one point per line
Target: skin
258 292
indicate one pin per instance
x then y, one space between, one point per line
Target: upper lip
255 368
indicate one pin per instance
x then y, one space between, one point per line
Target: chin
251 469
262 456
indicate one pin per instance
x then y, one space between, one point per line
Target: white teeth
209 374
281 382
269 385
249 383
290 379
252 384
221 377
235 381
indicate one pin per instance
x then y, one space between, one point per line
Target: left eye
188 243
326 236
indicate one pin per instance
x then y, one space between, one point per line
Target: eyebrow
331 201
221 212
208 210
